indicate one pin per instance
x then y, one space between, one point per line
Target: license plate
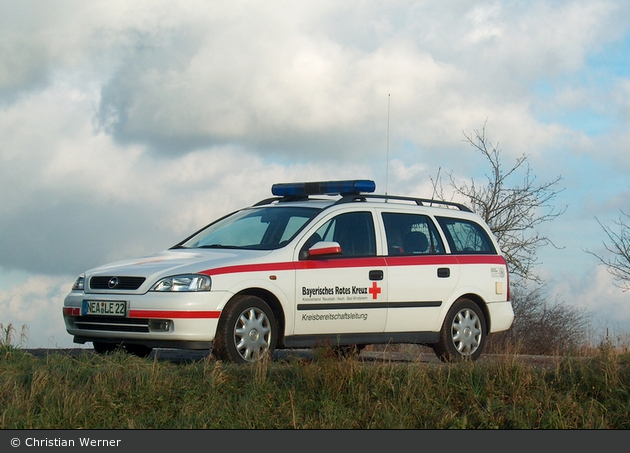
104 307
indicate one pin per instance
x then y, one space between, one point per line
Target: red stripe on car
360 262
300 265
481 259
174 314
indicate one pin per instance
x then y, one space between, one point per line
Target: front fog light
160 325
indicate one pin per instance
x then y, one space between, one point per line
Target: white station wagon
320 263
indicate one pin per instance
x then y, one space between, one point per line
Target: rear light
507 275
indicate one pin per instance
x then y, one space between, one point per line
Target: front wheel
247 331
463 333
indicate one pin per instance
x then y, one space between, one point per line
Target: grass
120 391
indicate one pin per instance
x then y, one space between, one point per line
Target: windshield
253 228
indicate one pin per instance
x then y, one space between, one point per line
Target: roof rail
418 201
364 196
350 190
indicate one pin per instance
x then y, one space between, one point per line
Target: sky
126 126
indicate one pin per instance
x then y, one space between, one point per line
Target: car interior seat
415 242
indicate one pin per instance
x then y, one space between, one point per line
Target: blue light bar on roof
300 189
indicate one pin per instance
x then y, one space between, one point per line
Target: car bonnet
172 262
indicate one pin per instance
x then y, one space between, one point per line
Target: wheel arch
273 302
481 303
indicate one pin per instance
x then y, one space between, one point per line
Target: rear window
465 236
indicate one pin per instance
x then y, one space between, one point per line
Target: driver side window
353 231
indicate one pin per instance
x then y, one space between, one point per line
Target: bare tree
511 212
542 326
618 264
514 204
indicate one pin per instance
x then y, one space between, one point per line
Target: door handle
443 272
376 275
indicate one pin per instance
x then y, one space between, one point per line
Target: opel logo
112 283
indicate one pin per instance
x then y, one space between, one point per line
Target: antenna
435 184
387 163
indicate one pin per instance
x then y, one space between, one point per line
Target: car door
421 276
341 291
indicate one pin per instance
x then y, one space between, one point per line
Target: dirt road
185 356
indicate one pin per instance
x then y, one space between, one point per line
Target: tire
463 333
247 331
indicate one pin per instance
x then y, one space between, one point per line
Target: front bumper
182 320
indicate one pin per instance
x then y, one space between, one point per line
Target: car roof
436 207
324 194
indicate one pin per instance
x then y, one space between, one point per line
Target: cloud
27 303
604 303
299 79
79 199
291 82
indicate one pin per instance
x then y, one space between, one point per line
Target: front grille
112 324
123 283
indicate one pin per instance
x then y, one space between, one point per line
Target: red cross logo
374 290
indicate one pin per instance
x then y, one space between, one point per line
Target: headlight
190 282
79 283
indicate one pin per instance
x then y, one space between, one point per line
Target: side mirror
324 248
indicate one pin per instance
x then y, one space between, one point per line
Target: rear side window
465 236
411 234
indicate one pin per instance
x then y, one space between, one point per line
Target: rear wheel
247 331
463 334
